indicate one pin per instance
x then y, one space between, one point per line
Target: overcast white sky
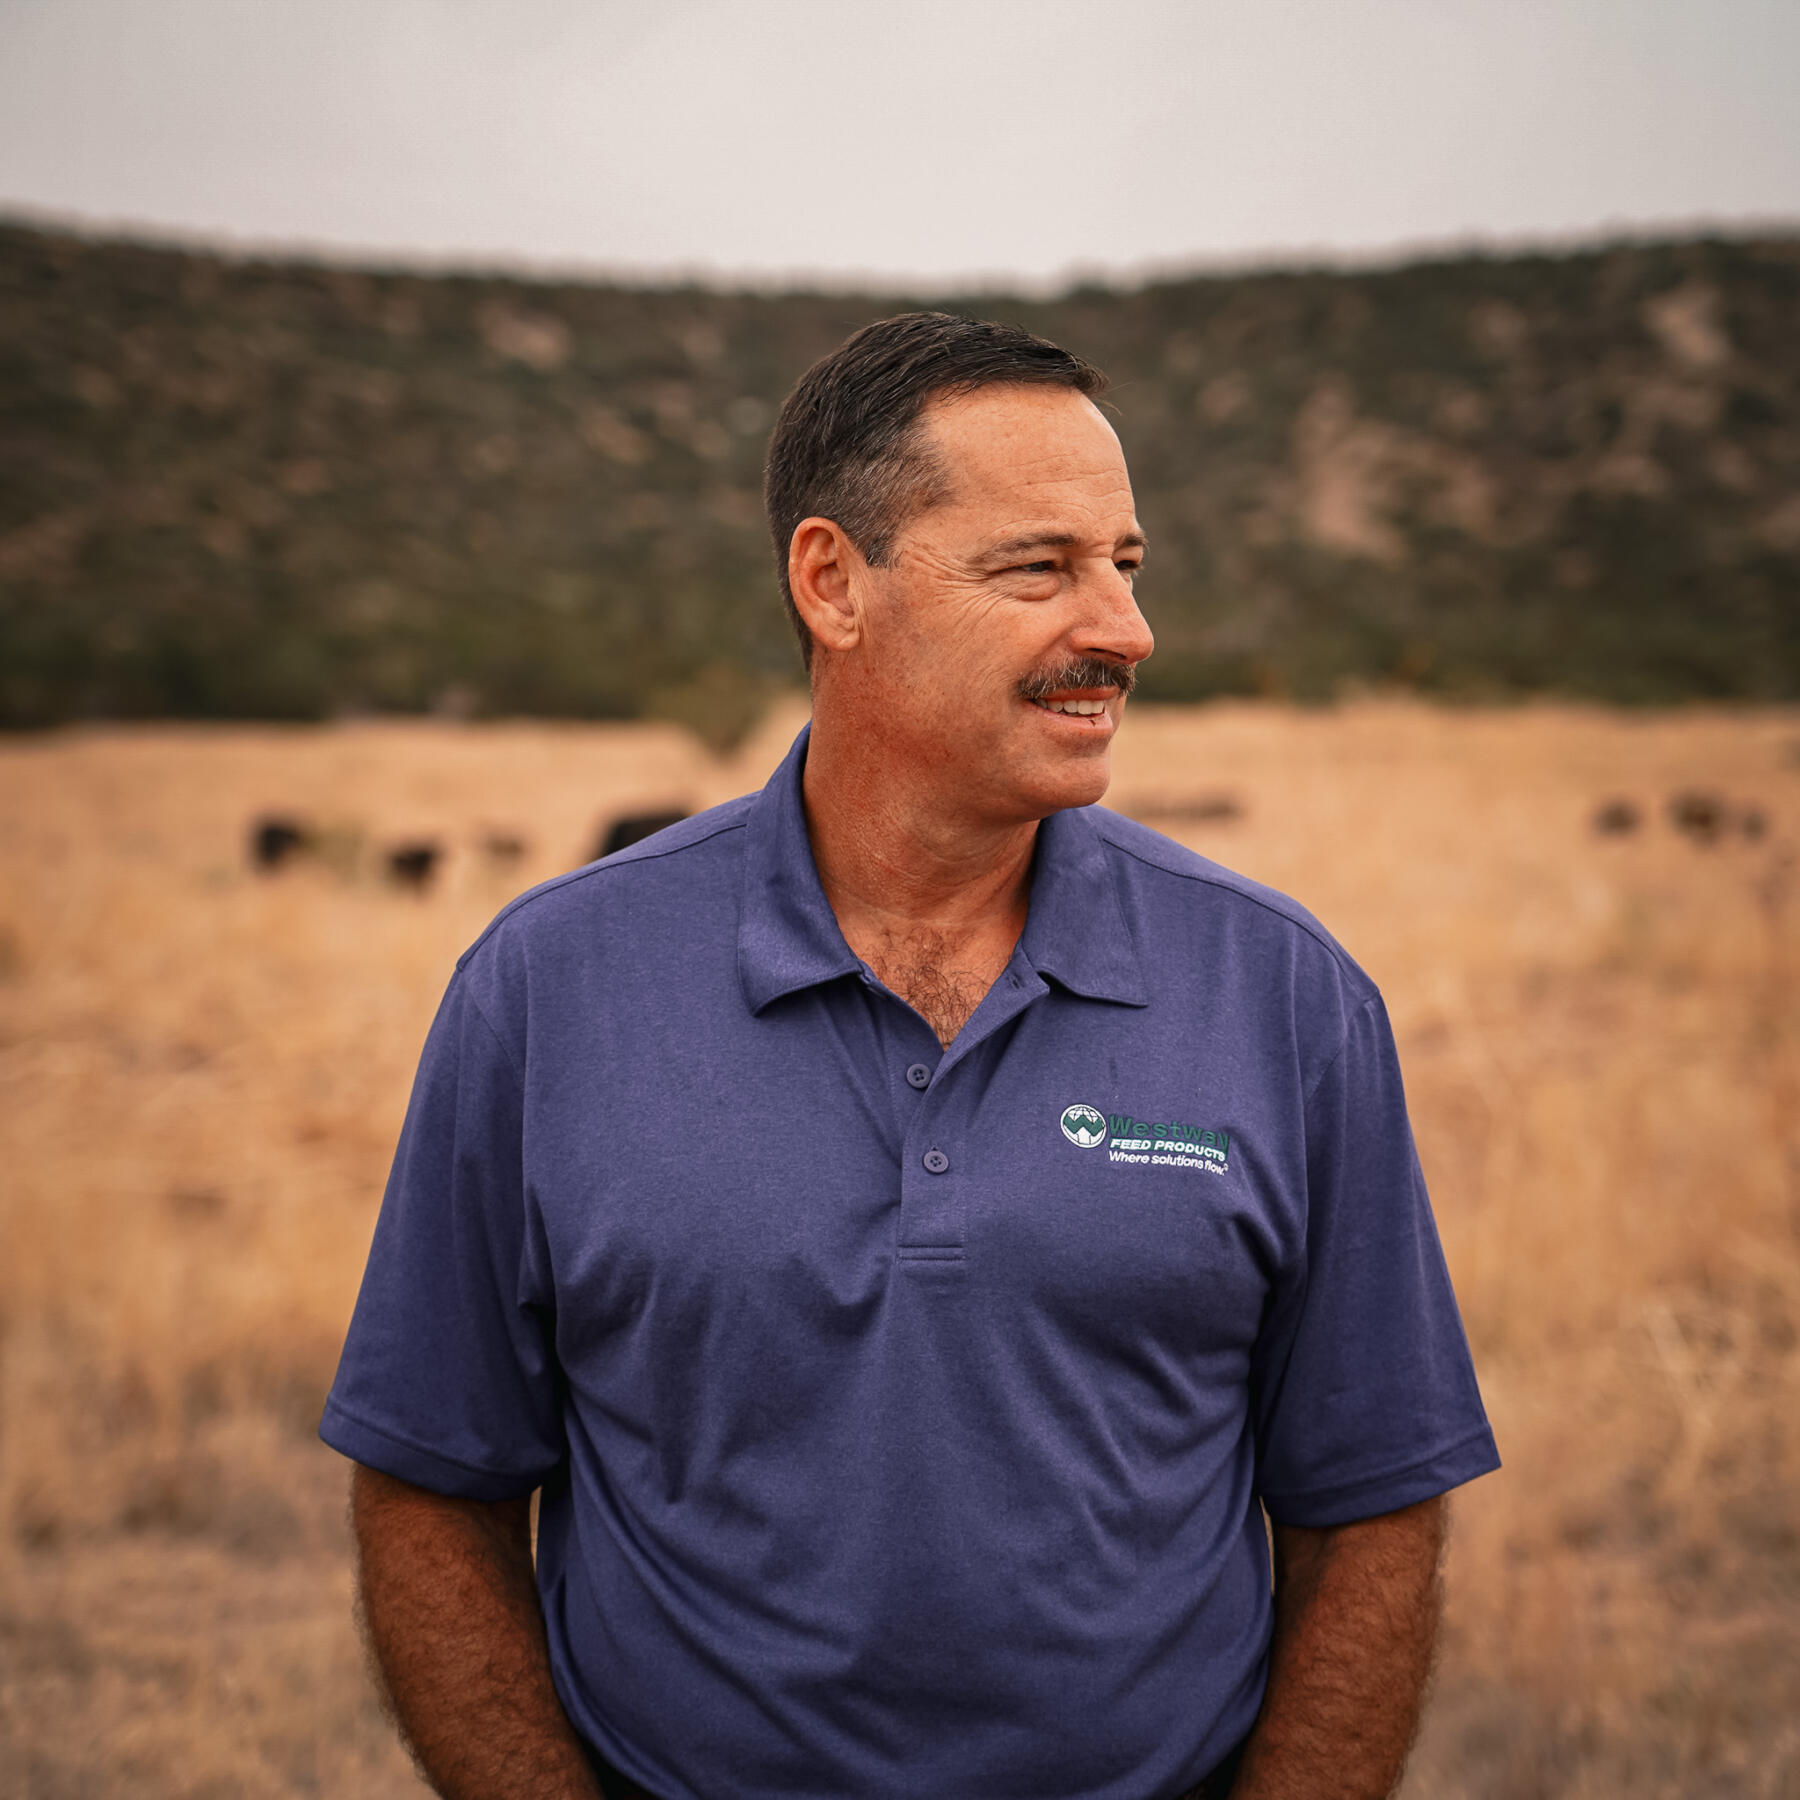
914 139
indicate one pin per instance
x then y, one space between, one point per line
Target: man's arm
451 1608
1356 1617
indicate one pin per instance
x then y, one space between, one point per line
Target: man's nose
1113 626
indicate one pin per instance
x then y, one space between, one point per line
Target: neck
896 853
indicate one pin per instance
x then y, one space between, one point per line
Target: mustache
1079 672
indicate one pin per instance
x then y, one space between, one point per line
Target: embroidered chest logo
1154 1143
1084 1126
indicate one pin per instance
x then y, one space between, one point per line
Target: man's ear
823 566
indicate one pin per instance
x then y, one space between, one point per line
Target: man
910 1224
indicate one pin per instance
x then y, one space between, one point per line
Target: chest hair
943 981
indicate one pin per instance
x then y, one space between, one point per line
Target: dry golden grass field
202 1071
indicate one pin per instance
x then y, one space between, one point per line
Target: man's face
976 632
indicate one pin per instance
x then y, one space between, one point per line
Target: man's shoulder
1180 889
677 871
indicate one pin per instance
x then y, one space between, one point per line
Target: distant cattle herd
1697 814
279 840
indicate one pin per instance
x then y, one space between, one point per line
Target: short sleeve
1364 1392
447 1378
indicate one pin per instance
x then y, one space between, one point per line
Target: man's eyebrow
1059 540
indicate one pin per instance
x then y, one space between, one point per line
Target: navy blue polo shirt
902 1414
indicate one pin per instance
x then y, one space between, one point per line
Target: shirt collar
788 936
1076 932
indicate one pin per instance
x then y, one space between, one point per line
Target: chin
1080 783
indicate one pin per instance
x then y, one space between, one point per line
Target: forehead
1019 449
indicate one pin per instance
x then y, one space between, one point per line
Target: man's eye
1037 568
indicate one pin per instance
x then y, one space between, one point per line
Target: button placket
931 1206
931 1184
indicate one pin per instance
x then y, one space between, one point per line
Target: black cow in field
413 865
1702 816
633 828
276 838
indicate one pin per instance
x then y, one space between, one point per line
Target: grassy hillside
252 489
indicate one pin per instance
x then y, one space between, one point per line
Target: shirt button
936 1161
919 1075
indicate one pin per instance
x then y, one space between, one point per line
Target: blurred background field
1587 925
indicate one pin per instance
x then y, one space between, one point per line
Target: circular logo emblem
1083 1126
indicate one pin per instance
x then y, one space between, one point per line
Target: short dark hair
846 446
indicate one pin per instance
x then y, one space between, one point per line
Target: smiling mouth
1083 709
1079 687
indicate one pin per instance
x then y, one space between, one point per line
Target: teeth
1081 708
